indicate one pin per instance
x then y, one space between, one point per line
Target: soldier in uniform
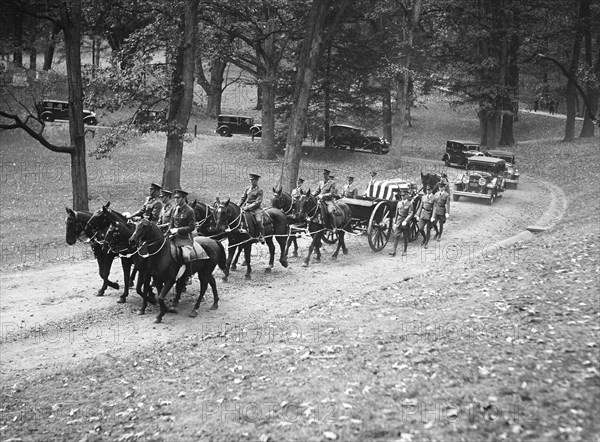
441 210
164 218
297 191
183 220
252 201
370 183
425 215
401 226
327 191
350 190
152 206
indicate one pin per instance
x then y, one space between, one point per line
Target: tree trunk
327 98
180 105
49 52
490 121
592 90
215 97
402 83
398 120
305 74
268 86
71 23
387 114
571 87
18 39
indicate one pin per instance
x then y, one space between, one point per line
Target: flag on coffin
385 189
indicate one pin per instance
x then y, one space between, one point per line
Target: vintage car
483 178
237 124
458 151
512 172
50 110
344 136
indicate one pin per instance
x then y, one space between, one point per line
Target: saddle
188 253
249 222
332 211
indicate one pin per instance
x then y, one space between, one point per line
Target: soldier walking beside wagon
441 209
401 225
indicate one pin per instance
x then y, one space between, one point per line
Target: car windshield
482 167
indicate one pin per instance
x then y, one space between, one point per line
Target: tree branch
20 124
574 80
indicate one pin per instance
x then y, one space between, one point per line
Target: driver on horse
164 218
251 202
327 192
297 191
350 190
152 206
183 220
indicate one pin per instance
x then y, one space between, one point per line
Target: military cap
326 171
180 193
155 186
300 180
373 173
350 177
254 176
166 192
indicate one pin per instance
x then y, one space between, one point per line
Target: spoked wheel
380 226
330 237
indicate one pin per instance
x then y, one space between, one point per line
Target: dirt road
49 315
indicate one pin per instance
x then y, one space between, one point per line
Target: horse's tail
222 257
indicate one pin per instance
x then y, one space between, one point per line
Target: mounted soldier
252 201
327 192
151 208
166 212
297 191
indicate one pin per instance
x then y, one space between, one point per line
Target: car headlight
465 179
510 170
482 181
493 183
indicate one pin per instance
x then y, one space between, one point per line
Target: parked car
484 178
344 136
50 110
512 174
228 125
458 151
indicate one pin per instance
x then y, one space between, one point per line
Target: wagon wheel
380 226
330 237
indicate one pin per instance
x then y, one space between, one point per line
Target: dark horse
431 179
163 264
205 220
284 202
99 222
319 220
76 222
237 223
117 238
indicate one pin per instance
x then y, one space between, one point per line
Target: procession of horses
149 254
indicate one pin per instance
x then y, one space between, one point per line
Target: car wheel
377 149
91 121
48 117
224 132
455 197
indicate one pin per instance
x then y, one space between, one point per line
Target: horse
76 222
230 218
99 222
319 219
117 238
205 222
164 265
284 202
431 179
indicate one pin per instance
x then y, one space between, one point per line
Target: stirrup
242 230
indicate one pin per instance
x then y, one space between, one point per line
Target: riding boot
261 232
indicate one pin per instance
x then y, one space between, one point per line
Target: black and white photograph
299 220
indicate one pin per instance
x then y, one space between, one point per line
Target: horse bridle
237 218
